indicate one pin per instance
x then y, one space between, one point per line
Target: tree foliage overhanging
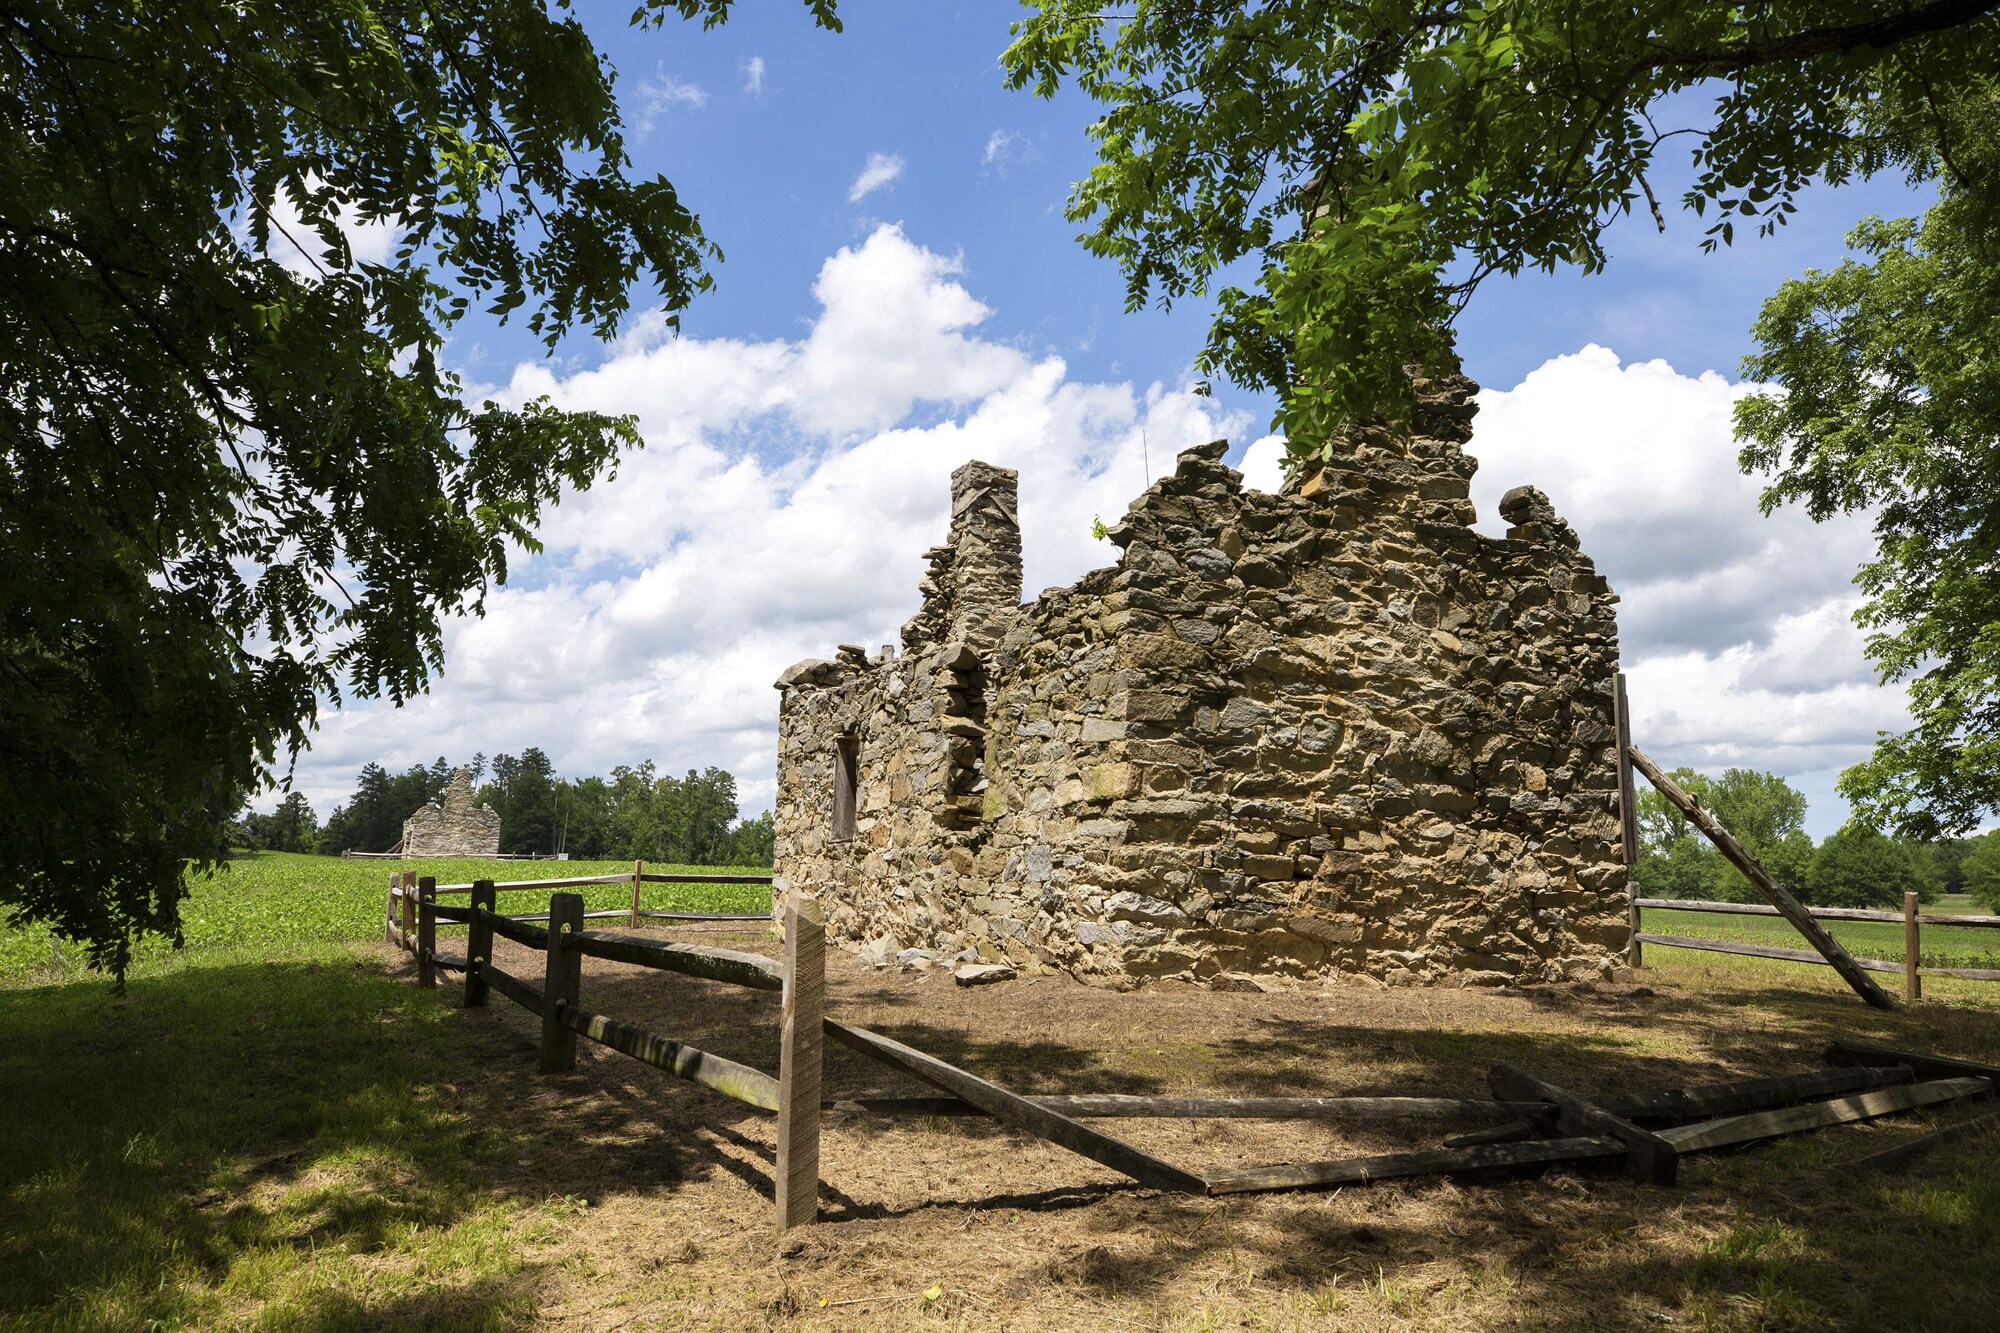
1890 366
1375 160
234 476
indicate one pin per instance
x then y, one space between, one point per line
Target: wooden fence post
638 869
801 1051
562 981
1913 982
409 907
1635 952
1628 796
478 943
427 931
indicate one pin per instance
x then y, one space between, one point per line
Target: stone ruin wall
453 825
1333 731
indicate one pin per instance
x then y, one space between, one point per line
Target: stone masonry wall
453 826
1333 731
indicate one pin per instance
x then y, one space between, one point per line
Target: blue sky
901 291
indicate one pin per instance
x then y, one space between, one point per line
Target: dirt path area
957 1223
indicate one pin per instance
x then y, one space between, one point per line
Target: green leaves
234 478
1891 405
1381 158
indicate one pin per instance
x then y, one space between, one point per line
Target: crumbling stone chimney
973 589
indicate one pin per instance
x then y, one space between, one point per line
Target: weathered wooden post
478 942
1913 982
1628 812
409 907
427 931
561 984
800 1055
638 869
1628 795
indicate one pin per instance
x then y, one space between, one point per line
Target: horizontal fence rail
1912 969
587 881
1823 913
714 1072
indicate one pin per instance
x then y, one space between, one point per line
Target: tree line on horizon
636 813
1856 866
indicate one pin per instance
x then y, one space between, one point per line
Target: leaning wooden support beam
1429 1162
801 1049
1905 1153
1017 1111
694 960
1794 911
1121 1106
446 912
450 962
1817 1115
1651 1159
713 1072
1925 1064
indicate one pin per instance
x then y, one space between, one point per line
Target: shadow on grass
320 1145
224 1143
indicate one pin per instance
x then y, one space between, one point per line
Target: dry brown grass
959 1224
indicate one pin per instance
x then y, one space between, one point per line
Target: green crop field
278 900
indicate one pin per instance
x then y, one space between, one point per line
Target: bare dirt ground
956 1223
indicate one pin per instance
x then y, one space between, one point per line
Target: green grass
268 1130
279 900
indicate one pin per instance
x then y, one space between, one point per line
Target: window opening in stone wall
846 753
963 714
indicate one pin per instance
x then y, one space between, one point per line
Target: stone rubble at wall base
1330 732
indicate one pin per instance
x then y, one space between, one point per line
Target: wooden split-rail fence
1531 1121
1826 950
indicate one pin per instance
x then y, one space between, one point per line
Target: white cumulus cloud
782 505
753 75
878 171
789 487
1735 627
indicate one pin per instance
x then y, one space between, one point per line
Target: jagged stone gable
453 825
1329 731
